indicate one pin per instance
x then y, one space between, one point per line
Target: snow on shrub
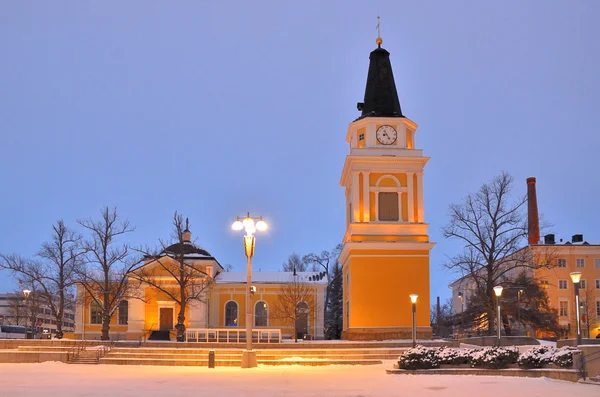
535 358
419 357
495 357
452 356
563 357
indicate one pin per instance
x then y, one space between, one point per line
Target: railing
585 360
232 335
75 350
105 349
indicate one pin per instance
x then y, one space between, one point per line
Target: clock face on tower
386 135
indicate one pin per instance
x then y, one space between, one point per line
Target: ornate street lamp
413 299
576 278
498 291
248 224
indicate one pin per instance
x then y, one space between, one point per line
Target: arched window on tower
261 314
231 314
388 206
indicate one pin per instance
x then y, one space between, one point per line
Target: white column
79 310
136 314
197 315
400 218
370 135
421 207
355 197
410 196
366 198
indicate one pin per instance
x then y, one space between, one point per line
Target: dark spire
381 98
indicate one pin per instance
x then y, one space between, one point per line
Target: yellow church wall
361 204
379 290
388 238
387 182
362 143
97 328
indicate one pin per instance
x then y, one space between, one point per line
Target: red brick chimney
533 219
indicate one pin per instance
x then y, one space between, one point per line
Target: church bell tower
386 246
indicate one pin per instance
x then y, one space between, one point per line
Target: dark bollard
211 359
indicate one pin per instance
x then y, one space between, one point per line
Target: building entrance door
301 319
166 318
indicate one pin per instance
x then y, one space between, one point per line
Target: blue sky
218 108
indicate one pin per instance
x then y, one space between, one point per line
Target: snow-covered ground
58 379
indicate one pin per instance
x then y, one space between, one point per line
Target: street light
576 278
250 227
461 296
413 299
26 293
498 291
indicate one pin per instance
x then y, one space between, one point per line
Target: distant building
14 310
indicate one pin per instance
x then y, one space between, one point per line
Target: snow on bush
453 356
495 357
420 357
542 355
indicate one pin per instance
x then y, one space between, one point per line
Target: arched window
123 312
231 314
95 312
261 314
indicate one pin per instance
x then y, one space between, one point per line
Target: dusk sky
218 108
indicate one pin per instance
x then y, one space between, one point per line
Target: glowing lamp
26 292
575 277
498 290
413 298
261 226
237 226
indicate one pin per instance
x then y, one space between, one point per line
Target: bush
452 356
563 357
419 357
495 357
535 358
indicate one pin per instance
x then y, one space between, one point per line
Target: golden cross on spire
379 39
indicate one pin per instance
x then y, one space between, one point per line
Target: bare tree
186 281
492 229
54 272
294 262
587 310
107 265
324 262
295 300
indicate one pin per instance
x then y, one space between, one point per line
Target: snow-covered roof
272 277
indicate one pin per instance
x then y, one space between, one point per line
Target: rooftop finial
379 39
187 223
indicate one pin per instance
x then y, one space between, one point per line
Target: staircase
160 335
85 357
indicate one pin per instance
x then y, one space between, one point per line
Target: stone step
232 363
396 352
238 356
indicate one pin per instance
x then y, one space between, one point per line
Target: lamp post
461 296
250 227
413 299
498 291
576 278
26 293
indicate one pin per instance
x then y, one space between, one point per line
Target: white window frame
562 262
597 283
266 305
563 282
237 314
597 306
597 263
582 284
566 302
99 303
580 263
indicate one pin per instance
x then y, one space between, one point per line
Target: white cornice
392 245
383 164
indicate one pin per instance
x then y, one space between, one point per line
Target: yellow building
559 260
150 312
386 246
